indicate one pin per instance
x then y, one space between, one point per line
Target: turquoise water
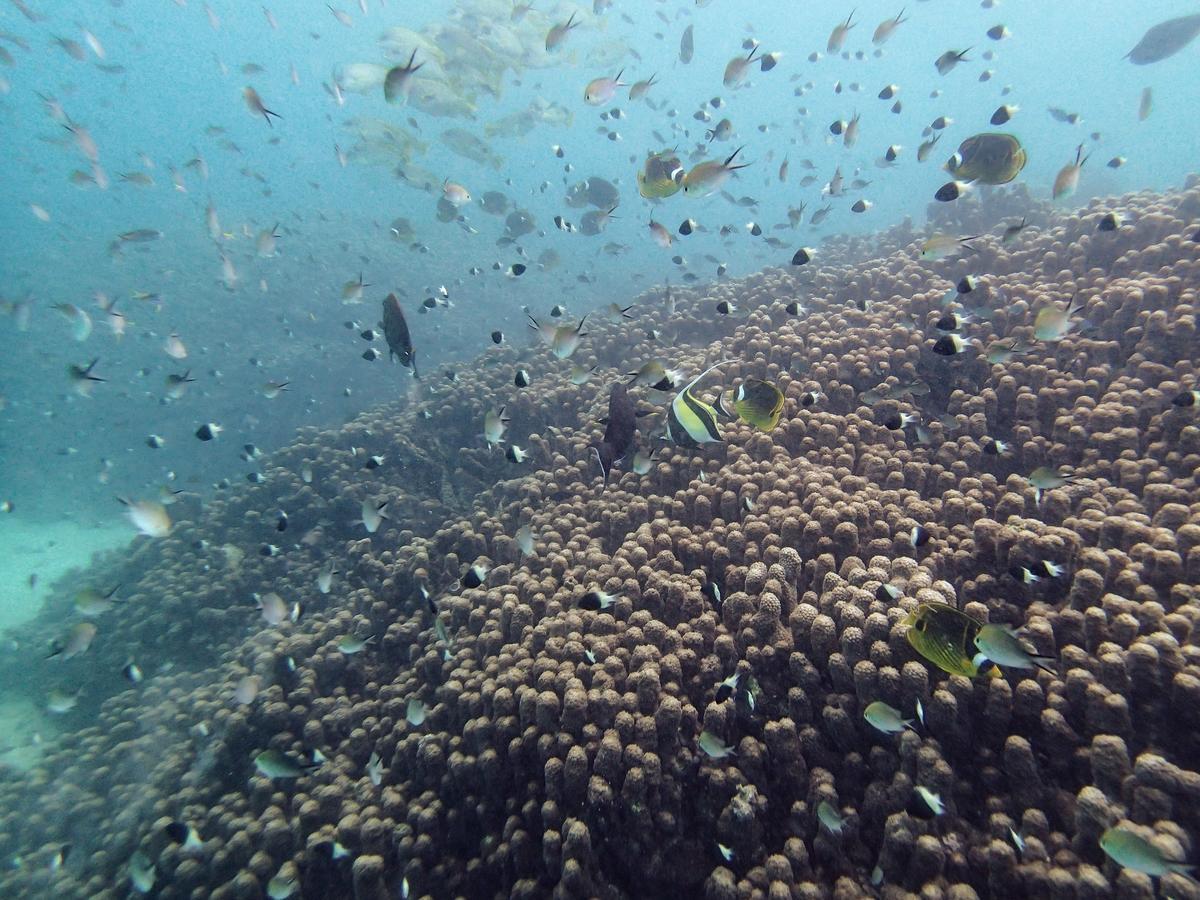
163 223
179 78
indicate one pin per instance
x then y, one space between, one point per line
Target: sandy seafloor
49 550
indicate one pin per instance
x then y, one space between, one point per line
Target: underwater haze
626 449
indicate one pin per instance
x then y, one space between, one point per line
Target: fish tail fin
1046 664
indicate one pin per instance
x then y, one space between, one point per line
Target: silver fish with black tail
395 331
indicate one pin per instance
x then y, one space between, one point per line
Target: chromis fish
1004 113
455 194
1127 848
352 291
416 712
80 320
885 29
247 689
706 178
715 747
276 764
925 804
737 69
643 461
558 33
475 575
945 636
566 339
1012 231
79 639
939 246
1067 179
524 539
1000 644
597 600
494 426
372 514
351 644
82 379
837 37
886 718
639 88
1003 351
185 835
1053 323
141 872
90 602
720 132
600 90
273 608
579 375
655 374
1043 478
926 147
59 701
397 84
255 104
951 58
829 816
727 687
285 882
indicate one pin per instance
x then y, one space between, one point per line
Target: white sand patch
46 550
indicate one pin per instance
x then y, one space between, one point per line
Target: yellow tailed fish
946 637
692 422
759 403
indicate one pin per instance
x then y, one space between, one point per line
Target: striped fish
946 637
692 422
759 403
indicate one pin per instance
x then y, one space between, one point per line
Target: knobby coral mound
560 754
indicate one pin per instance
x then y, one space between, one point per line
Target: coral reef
560 756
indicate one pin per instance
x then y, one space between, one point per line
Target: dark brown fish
618 433
395 331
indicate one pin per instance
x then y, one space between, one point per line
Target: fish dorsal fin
696 380
682 405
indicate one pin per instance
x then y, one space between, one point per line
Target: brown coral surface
560 753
